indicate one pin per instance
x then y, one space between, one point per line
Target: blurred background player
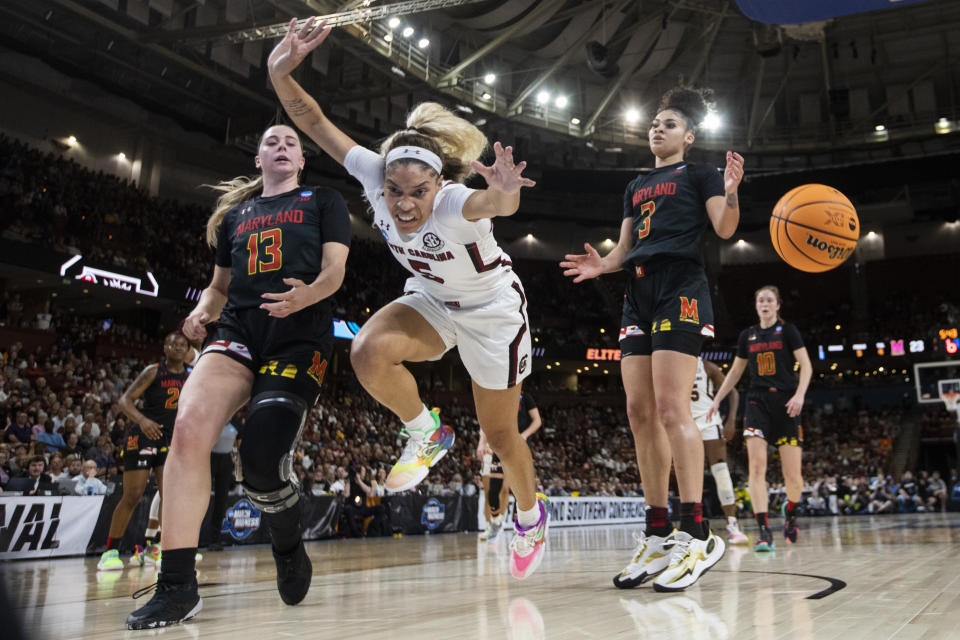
771 349
716 434
146 444
496 491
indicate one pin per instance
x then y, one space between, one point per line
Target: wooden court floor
901 575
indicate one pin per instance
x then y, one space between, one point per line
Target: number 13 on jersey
272 240
646 210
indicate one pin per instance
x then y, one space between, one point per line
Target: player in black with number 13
770 349
667 313
271 235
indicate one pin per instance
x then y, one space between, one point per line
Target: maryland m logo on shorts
689 311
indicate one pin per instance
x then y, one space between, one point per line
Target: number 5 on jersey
646 210
272 240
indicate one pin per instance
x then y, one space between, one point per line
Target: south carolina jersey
266 239
769 355
701 398
161 398
455 260
668 207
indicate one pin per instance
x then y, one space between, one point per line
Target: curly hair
692 104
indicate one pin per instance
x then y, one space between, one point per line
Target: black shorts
767 418
288 354
141 453
667 307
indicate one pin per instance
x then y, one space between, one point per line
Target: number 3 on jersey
646 210
272 251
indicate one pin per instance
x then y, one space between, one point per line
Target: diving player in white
716 435
463 291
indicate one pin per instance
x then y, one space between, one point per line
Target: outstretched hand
290 52
583 266
503 175
733 173
298 297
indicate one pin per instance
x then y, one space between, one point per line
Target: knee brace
155 506
272 430
493 499
721 474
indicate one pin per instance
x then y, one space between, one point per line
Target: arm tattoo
732 201
296 107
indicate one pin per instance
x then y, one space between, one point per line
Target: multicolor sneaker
690 558
496 526
421 452
734 534
650 557
152 554
110 561
138 558
528 545
764 540
790 529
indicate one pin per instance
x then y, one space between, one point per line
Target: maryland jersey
455 260
701 398
769 355
162 397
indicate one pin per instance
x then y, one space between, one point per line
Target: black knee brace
270 436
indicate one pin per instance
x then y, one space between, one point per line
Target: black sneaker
172 603
790 530
294 573
764 540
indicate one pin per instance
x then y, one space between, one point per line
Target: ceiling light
880 128
711 122
574 121
424 43
394 22
388 37
632 115
407 32
72 140
490 78
561 102
543 97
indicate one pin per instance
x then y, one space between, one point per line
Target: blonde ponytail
235 191
458 141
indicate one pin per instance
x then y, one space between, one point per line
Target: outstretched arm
299 105
724 211
583 266
502 195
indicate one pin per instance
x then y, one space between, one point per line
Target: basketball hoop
952 400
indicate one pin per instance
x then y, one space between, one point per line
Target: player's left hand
296 45
733 173
794 405
298 297
503 175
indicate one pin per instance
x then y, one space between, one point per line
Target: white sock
151 533
529 517
497 519
419 426
732 520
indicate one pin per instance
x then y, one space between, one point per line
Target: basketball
814 228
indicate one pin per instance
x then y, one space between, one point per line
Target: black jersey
265 240
527 404
769 355
161 398
668 207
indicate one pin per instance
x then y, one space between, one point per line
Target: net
952 400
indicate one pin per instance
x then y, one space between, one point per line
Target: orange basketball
814 228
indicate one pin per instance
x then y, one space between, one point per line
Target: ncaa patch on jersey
306 194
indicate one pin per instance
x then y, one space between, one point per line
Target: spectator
4 464
936 492
56 470
908 498
74 472
19 431
89 484
51 438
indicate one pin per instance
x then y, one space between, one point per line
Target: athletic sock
732 520
179 565
691 519
762 521
284 530
529 517
658 522
110 542
419 426
791 511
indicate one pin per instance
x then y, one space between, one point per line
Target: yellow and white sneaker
650 557
422 451
110 561
690 558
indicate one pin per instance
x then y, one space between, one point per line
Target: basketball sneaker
422 451
294 573
172 603
528 545
690 558
764 540
650 557
138 559
485 534
110 561
152 554
496 526
790 529
734 534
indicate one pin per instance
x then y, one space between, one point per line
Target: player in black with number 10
271 235
771 349
667 313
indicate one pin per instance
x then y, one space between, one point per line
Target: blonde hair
435 128
235 191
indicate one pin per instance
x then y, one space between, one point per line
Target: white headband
416 153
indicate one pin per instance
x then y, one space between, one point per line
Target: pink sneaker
528 545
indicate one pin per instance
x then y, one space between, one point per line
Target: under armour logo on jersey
384 225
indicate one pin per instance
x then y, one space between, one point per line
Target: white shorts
711 430
493 338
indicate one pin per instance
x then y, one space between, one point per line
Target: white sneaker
690 558
496 526
485 534
421 452
651 556
734 534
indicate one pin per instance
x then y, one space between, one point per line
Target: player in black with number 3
271 235
667 313
770 349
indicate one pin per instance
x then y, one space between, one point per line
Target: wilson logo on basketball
834 252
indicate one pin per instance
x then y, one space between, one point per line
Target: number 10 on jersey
272 240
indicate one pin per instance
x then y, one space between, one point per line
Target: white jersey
701 398
455 260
